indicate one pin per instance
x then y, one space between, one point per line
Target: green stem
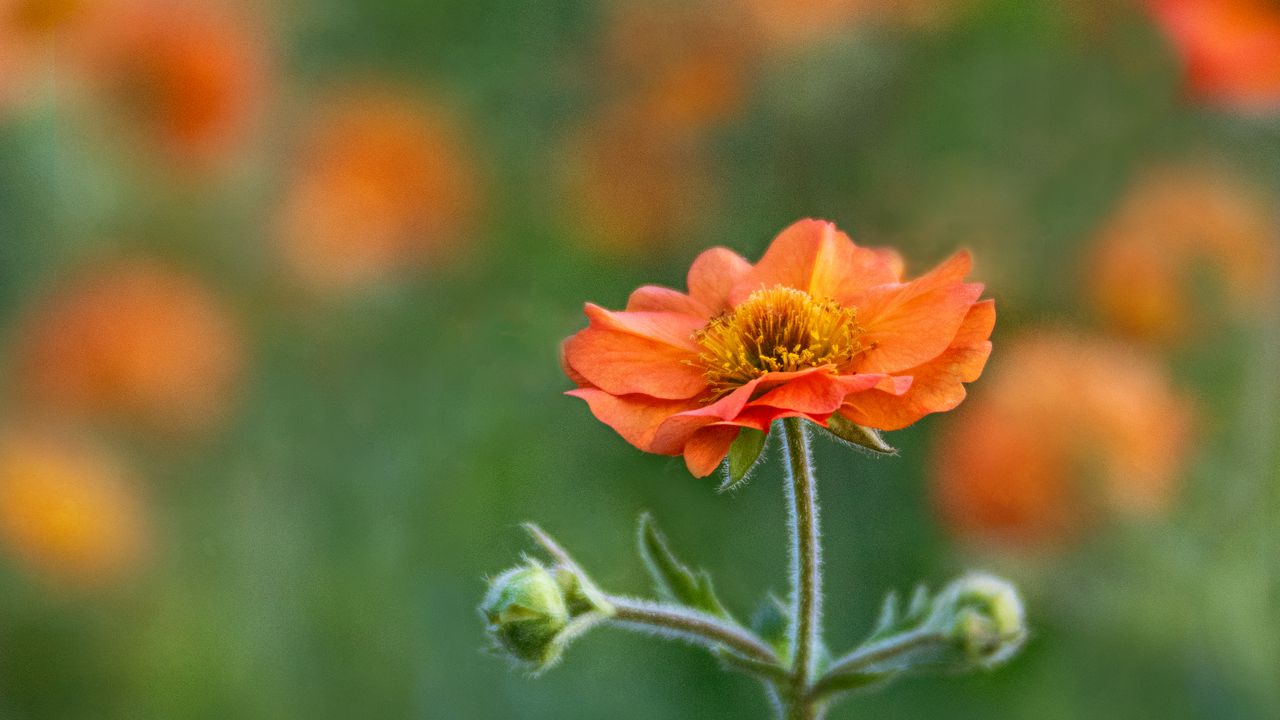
693 625
867 657
806 569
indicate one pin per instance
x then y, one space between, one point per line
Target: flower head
1068 427
1171 226
382 184
66 508
32 33
684 64
132 340
984 618
189 78
819 327
633 185
1230 49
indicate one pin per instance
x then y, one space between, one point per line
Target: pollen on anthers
777 329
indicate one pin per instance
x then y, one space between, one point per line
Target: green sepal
673 579
743 454
859 435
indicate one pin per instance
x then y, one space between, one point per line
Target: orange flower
381 184
634 186
1230 48
819 326
66 508
1171 225
686 63
35 32
1067 427
132 340
190 77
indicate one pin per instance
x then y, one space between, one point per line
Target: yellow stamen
777 329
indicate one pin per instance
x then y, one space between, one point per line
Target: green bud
983 616
526 612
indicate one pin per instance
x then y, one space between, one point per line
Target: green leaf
771 621
888 619
743 454
674 580
895 619
865 437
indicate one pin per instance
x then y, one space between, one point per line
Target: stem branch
869 656
693 625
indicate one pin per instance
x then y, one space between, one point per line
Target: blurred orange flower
136 341
1230 48
190 77
33 31
635 187
381 185
685 64
819 326
67 508
1066 428
1172 224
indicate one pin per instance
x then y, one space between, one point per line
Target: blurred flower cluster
1078 422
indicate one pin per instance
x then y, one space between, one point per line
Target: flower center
777 329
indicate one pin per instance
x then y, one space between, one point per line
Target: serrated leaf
673 579
919 607
743 454
894 619
888 619
866 437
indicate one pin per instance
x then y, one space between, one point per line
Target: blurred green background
319 547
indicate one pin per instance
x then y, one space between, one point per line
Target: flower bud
983 616
526 612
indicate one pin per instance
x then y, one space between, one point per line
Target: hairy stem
693 625
806 568
868 656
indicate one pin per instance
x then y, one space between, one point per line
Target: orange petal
713 275
642 352
635 417
652 298
812 255
573 375
761 417
909 324
938 385
706 449
676 430
817 393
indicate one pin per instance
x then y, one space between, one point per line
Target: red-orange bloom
1068 428
1175 224
382 184
190 77
135 341
819 326
1231 48
635 186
